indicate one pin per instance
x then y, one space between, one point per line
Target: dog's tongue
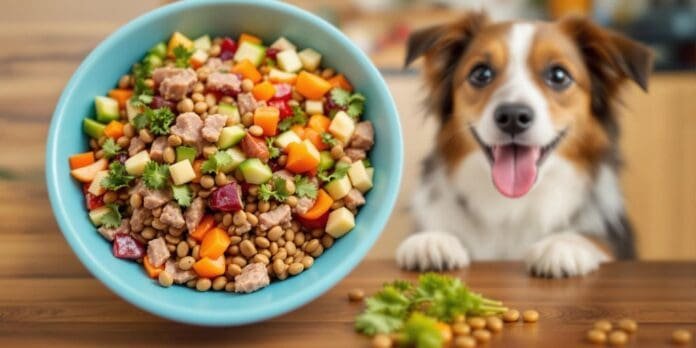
515 169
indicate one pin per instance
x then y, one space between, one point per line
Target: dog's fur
573 218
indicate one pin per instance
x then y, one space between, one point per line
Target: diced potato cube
178 39
95 187
342 127
198 58
283 44
182 172
359 177
338 188
132 110
136 164
289 61
286 138
279 76
310 59
314 107
202 43
340 222
371 173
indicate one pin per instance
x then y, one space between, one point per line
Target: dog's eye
558 78
481 75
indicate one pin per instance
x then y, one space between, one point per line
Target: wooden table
47 297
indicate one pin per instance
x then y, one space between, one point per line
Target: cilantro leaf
328 139
112 219
272 150
182 56
110 148
298 117
340 97
141 121
385 312
155 175
275 189
354 104
421 331
304 187
340 170
157 120
217 162
117 177
182 195
141 72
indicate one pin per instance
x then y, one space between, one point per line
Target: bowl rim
182 313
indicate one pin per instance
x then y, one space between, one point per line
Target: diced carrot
122 96
302 157
88 172
311 86
321 206
319 123
203 227
263 91
210 268
114 130
340 81
299 130
197 164
249 38
247 69
151 270
214 243
267 118
315 137
81 159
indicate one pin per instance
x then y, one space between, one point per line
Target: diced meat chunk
194 213
246 103
180 276
277 216
254 276
157 251
136 145
303 205
153 199
225 83
176 86
188 127
364 136
284 174
171 215
255 147
109 233
157 148
160 74
353 199
212 127
355 154
215 64
137 220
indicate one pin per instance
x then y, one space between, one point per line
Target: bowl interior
100 71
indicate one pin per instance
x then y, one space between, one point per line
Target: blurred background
44 42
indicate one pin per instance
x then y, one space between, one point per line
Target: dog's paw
431 251
564 255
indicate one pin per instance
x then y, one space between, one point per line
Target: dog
526 159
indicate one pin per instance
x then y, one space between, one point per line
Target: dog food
223 164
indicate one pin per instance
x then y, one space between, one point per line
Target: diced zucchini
178 39
107 109
253 52
359 177
136 165
342 127
238 157
289 61
283 44
286 138
310 59
97 215
340 222
279 76
314 107
154 60
159 50
325 160
95 186
255 171
93 128
182 172
338 188
229 110
185 153
230 136
202 43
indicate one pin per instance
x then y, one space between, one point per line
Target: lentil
464 342
681 336
617 338
203 284
530 316
356 295
596 336
165 279
186 263
481 335
511 316
381 341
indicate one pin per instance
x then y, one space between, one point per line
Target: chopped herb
155 175
112 219
141 72
182 56
304 187
421 331
182 195
339 172
217 162
117 177
275 189
298 117
328 139
353 103
157 120
110 148
366 162
272 150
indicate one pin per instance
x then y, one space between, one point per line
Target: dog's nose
513 118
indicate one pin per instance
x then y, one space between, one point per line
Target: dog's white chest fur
489 225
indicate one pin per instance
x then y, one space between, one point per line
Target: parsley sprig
304 187
112 218
328 139
142 92
274 189
353 103
182 56
273 151
182 195
340 170
117 177
155 175
216 163
156 120
298 117
110 148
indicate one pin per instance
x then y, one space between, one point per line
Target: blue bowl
114 57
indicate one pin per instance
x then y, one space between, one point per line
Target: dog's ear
442 46
610 57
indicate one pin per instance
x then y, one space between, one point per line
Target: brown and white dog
526 158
